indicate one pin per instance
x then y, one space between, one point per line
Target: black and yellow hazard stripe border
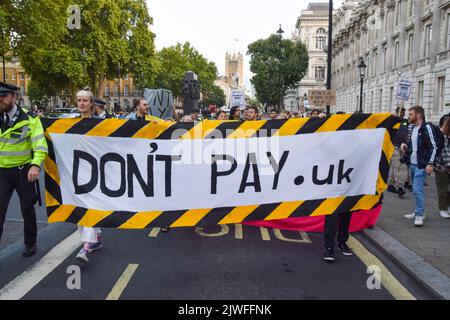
59 212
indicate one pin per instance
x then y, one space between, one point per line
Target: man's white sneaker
410 216
418 222
445 215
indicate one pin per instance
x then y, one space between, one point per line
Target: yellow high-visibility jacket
24 143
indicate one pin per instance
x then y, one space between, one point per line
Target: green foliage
216 97
274 71
112 32
176 60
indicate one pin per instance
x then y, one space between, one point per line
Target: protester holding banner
421 151
91 237
222 115
251 113
141 113
22 150
235 113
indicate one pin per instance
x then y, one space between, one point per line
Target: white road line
20 286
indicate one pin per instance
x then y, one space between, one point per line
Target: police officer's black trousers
337 224
16 179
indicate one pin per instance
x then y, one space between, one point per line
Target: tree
176 60
275 73
216 97
60 59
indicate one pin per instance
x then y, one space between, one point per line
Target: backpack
439 139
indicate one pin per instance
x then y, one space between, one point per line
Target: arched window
321 31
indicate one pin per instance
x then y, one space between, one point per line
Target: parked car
63 113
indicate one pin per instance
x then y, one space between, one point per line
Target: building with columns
398 40
312 30
16 76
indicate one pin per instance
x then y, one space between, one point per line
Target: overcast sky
212 26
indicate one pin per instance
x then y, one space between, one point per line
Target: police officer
22 149
99 109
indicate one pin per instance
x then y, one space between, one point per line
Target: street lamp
3 55
280 32
330 47
362 74
118 65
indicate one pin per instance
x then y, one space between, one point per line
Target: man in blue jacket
421 151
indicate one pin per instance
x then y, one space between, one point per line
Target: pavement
423 252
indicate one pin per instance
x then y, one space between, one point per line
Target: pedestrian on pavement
443 171
100 109
23 148
90 237
421 151
396 179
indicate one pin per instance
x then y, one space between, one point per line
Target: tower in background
234 70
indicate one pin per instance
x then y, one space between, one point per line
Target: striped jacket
427 147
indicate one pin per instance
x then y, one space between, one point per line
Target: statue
191 92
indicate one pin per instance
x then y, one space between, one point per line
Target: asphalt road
222 263
189 264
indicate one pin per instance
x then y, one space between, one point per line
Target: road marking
265 234
154 233
224 230
122 283
395 288
21 285
238 234
304 237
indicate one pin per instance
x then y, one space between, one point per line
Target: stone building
312 30
16 75
398 40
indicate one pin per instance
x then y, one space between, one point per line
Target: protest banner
160 102
136 174
322 98
237 99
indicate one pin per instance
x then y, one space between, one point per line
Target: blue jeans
418 180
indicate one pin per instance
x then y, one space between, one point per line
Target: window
320 73
447 38
22 90
106 91
116 90
126 91
391 98
14 76
396 52
398 13
410 48
384 58
22 76
420 93
380 101
320 42
427 41
440 94
411 5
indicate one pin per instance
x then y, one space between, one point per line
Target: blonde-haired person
91 237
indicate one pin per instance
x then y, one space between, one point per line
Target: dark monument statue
191 92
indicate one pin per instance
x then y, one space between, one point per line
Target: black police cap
6 88
100 102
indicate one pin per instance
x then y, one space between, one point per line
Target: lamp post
330 47
3 55
118 91
362 74
280 32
